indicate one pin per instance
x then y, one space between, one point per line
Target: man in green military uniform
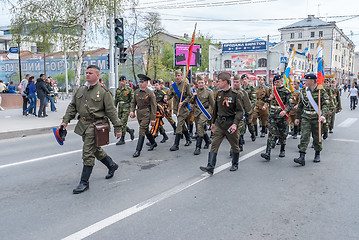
307 113
293 112
253 98
202 101
261 109
180 108
227 113
123 98
144 102
246 103
332 107
280 104
337 102
169 106
94 104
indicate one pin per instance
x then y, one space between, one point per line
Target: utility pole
18 45
66 76
116 53
267 70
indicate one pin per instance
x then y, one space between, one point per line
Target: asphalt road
164 195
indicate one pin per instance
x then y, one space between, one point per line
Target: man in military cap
308 114
293 112
203 100
169 106
253 98
280 103
123 98
145 101
180 107
94 104
261 110
332 107
337 102
161 99
227 113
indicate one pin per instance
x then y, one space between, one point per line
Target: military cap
327 80
178 71
199 78
156 81
224 76
277 77
243 76
143 78
236 77
60 134
122 78
310 76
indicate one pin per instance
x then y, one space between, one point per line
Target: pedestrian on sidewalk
353 93
32 96
42 92
25 98
94 104
50 97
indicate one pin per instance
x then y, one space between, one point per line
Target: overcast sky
173 19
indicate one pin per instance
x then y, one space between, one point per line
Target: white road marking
348 122
345 140
151 201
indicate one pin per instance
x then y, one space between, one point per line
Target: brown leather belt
91 119
142 107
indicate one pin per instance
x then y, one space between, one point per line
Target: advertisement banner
254 46
242 62
181 54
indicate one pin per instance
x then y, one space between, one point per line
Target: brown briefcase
102 134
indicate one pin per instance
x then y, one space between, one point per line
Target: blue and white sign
283 59
253 46
14 49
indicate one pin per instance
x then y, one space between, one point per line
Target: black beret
277 77
310 76
143 77
122 78
243 76
156 81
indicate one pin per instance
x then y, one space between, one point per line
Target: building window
299 46
336 57
336 46
262 62
291 46
320 33
300 35
227 63
312 46
292 35
312 34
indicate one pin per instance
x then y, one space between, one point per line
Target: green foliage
61 78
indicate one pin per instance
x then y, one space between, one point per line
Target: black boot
295 132
207 141
152 141
263 132
317 157
266 130
175 146
235 159
188 138
282 150
266 155
132 133
240 144
111 165
174 128
140 141
121 141
212 158
301 159
241 139
198 145
253 137
256 130
325 135
165 137
190 130
330 130
84 182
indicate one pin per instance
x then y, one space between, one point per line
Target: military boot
131 132
175 146
198 145
266 155
282 150
152 141
212 158
235 160
188 138
190 130
111 165
241 139
316 157
295 132
141 139
253 137
174 128
165 137
325 135
121 141
263 132
84 182
256 129
207 141
240 144
301 159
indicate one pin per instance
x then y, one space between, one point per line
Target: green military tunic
251 95
101 108
206 98
332 107
338 106
228 110
261 93
145 101
161 95
309 117
123 100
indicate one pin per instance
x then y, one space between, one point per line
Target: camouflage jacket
306 110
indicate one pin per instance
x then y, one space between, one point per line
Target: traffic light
108 61
119 33
123 55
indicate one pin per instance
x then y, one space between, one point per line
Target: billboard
243 62
253 46
181 54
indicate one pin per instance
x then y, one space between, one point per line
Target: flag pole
320 80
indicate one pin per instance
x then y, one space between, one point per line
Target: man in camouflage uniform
278 117
94 104
293 112
337 103
253 98
180 108
307 114
227 113
261 109
332 107
169 107
205 98
123 98
145 101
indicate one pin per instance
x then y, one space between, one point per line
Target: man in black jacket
42 92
